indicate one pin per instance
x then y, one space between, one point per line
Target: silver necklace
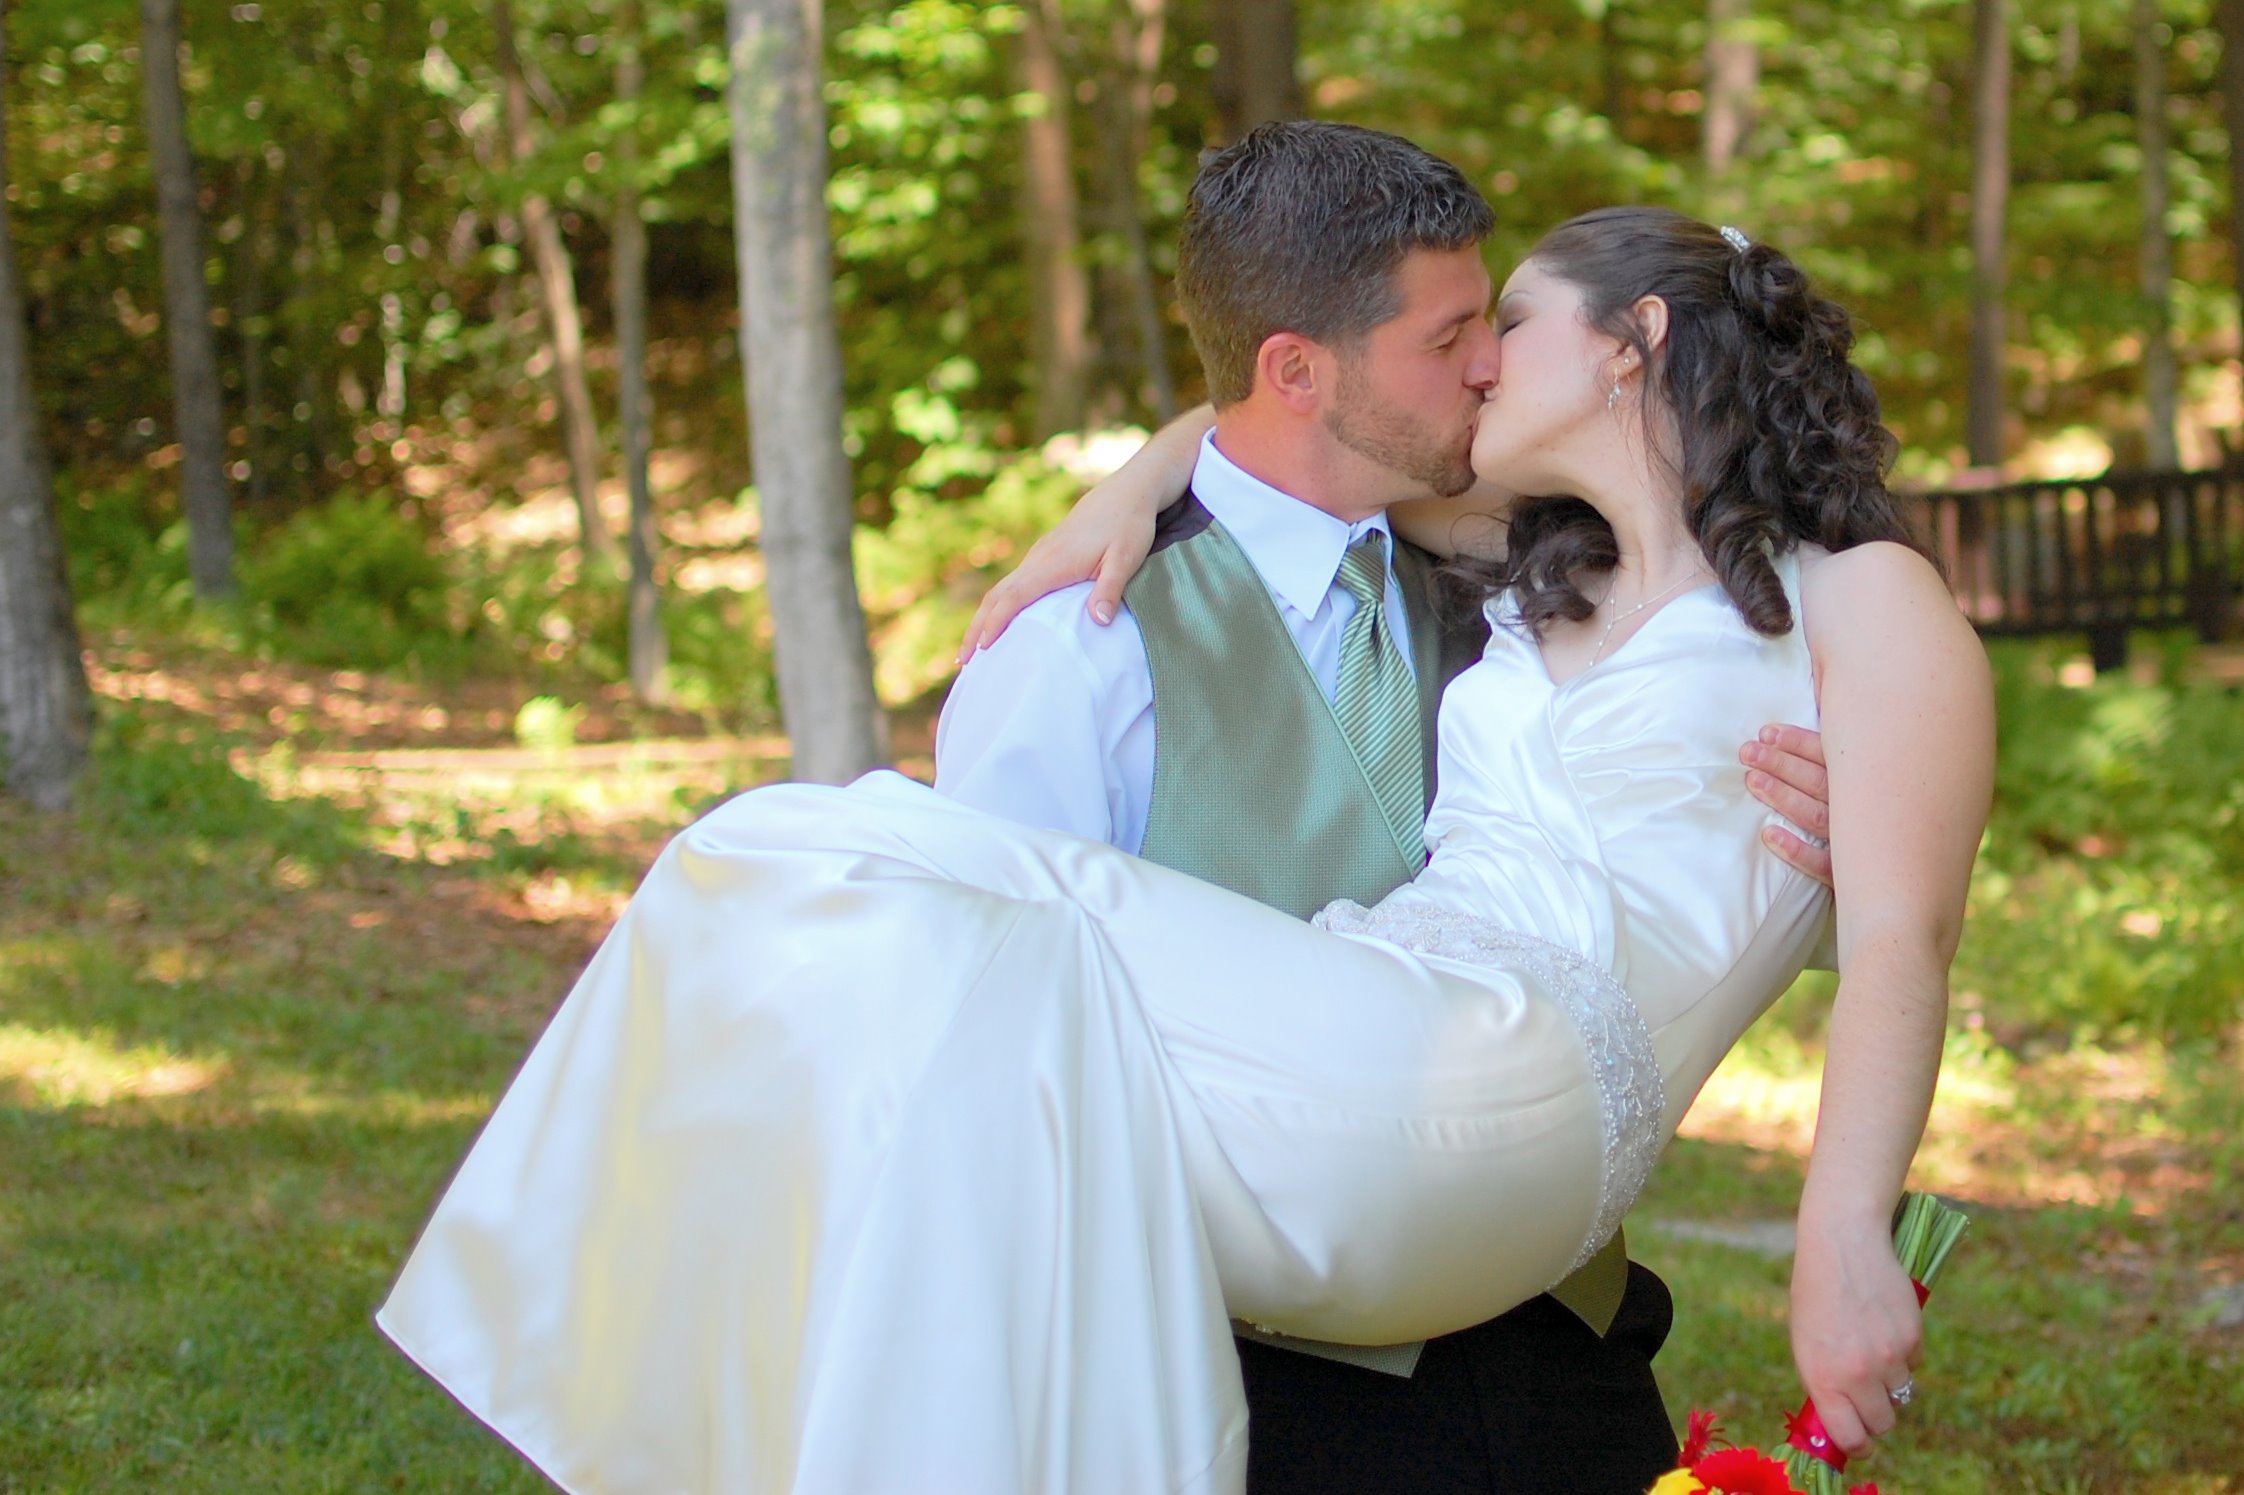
1619 618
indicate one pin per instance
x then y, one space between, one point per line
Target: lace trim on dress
1632 1094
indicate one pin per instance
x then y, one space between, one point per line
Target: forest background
426 573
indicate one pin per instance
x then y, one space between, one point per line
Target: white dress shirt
1052 725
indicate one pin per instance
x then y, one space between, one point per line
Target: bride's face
1552 383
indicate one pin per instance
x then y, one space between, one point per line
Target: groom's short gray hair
1300 227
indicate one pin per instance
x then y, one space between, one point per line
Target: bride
888 1146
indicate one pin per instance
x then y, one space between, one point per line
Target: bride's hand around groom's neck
1785 771
1105 537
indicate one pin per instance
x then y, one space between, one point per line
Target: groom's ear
1296 370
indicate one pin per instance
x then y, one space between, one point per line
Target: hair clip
1737 240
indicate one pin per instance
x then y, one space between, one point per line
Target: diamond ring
1904 1394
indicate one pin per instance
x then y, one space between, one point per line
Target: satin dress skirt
889 1146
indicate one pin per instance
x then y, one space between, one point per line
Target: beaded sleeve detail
1632 1095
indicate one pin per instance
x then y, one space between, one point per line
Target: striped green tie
1376 701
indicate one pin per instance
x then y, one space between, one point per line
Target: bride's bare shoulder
1876 566
1878 590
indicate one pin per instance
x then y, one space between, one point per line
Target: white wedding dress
889 1146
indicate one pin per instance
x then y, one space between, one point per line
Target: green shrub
923 574
545 725
149 776
116 538
720 656
564 629
158 772
353 582
2109 896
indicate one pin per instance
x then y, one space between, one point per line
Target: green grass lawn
249 1021
2074 1344
239 1051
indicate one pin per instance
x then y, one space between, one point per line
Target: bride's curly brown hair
1779 438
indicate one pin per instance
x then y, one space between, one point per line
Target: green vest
1254 787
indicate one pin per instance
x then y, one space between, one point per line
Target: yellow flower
1681 1482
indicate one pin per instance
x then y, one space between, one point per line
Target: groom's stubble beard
1395 439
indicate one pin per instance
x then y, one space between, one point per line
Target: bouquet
1924 1232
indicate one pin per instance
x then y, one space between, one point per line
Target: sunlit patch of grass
2069 1347
51 1068
2096 1124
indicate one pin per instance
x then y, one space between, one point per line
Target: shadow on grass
184 910
240 1053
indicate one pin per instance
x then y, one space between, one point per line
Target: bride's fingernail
1103 611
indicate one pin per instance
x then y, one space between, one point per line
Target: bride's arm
1908 720
1471 524
1105 537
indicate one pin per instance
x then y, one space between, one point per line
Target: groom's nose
1482 369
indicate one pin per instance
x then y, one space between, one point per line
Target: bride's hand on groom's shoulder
1105 537
1785 771
1102 541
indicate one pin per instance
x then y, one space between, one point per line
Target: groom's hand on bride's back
1784 769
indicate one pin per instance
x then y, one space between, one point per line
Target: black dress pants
1532 1403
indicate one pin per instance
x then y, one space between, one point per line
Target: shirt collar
1295 546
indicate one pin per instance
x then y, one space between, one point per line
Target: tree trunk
1059 288
1257 72
1613 71
389 209
1733 75
793 353
45 707
1990 211
307 346
2160 378
249 326
194 362
2229 14
649 647
580 429
1125 105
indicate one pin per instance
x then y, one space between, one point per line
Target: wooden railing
2094 556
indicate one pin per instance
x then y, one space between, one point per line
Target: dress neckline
1534 646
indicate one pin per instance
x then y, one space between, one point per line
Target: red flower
1697 1436
1744 1471
1862 1490
1805 1431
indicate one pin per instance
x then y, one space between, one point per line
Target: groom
1231 724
